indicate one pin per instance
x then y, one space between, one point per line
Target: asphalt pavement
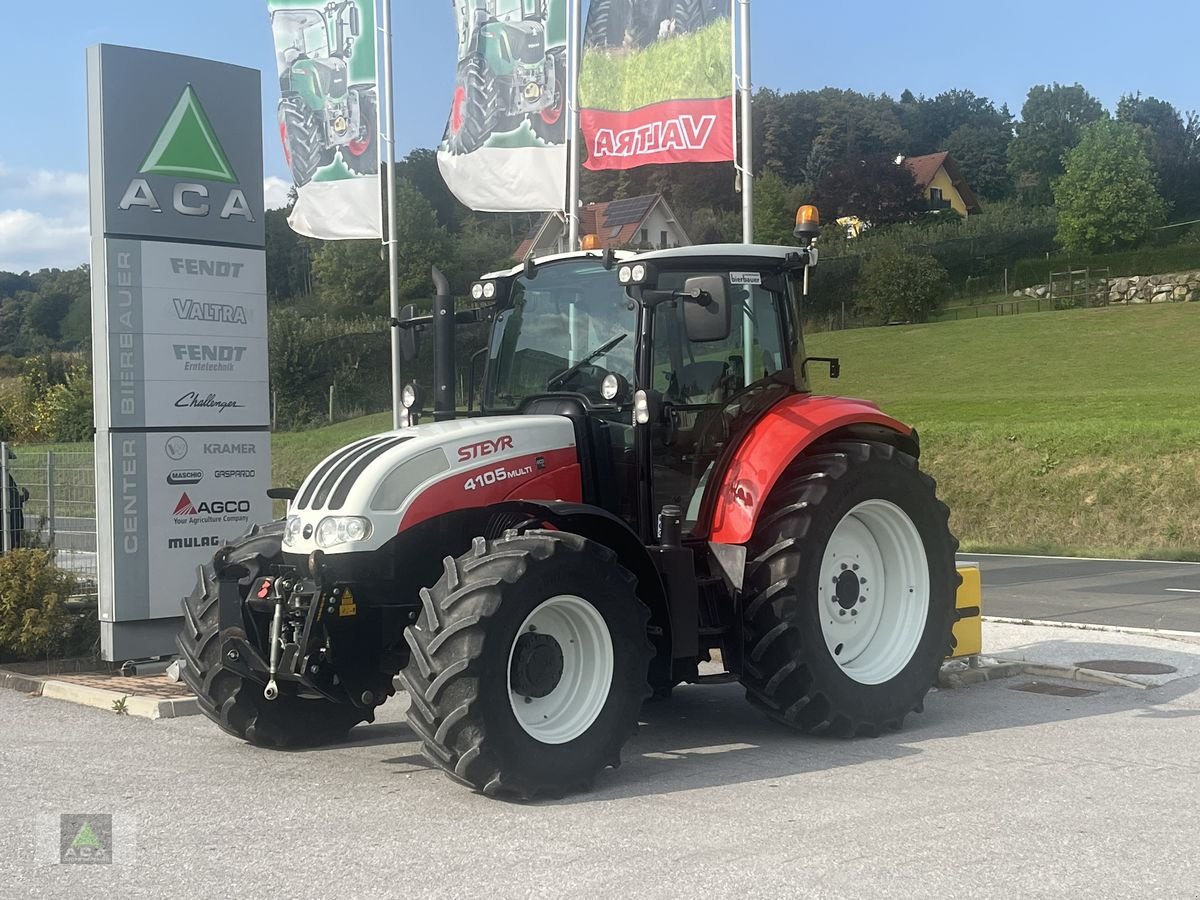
991 792
1119 592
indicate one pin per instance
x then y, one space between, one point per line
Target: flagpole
574 50
747 168
390 213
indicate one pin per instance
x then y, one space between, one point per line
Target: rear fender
781 435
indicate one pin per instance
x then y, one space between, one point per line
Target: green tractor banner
504 148
329 114
656 83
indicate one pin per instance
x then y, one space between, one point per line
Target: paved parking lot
992 792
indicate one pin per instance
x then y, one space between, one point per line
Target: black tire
302 140
689 16
477 113
606 23
366 162
554 132
234 702
789 671
458 673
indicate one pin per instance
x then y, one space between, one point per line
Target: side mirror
355 24
707 318
408 336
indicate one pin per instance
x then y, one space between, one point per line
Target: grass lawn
1074 431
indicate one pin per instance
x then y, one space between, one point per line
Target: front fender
779 437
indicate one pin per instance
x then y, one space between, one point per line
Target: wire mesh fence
49 501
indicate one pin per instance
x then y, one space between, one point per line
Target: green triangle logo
86 838
187 145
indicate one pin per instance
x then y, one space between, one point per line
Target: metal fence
50 501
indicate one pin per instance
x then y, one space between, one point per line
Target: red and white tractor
650 483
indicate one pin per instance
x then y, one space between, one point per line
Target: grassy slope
1073 431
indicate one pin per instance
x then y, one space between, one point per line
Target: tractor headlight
408 396
489 290
335 530
291 531
639 273
610 387
477 291
624 274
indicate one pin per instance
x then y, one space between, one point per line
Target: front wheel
529 664
360 155
850 596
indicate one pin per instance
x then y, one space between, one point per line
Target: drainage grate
1056 690
1127 667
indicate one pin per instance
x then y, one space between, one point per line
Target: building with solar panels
635 223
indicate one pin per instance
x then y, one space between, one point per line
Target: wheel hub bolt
528 699
855 567
841 612
862 580
854 612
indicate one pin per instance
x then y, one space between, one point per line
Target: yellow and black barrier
968 630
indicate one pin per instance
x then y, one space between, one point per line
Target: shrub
904 286
34 620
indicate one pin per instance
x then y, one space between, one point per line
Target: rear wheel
529 664
235 702
300 133
606 23
473 115
850 595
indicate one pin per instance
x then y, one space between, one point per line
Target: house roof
925 169
616 223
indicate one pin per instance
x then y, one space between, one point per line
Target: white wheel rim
876 552
587 670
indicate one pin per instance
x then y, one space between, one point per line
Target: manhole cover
1057 690
1127 667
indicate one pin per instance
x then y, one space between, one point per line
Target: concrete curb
146 707
1166 634
99 698
998 668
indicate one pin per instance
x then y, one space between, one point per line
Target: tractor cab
692 344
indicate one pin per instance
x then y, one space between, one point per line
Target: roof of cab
619 255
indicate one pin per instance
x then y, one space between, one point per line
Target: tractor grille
336 476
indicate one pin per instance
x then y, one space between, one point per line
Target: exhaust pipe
443 337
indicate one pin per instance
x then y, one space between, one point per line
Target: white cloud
275 192
33 240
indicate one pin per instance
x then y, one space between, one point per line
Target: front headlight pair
331 531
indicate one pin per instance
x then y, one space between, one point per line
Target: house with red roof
942 183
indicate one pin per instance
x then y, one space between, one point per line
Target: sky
874 46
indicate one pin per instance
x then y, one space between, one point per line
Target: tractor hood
359 497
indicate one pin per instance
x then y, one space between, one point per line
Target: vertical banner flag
656 83
504 148
329 114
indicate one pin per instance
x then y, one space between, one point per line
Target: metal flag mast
389 213
574 51
746 166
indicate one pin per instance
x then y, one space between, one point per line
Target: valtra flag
328 114
656 83
504 149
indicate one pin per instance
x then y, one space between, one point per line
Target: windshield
303 31
555 321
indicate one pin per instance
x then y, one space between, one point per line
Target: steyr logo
187 148
485 448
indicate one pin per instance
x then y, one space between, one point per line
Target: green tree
981 152
1173 148
899 285
1052 120
874 188
352 274
774 213
1108 196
